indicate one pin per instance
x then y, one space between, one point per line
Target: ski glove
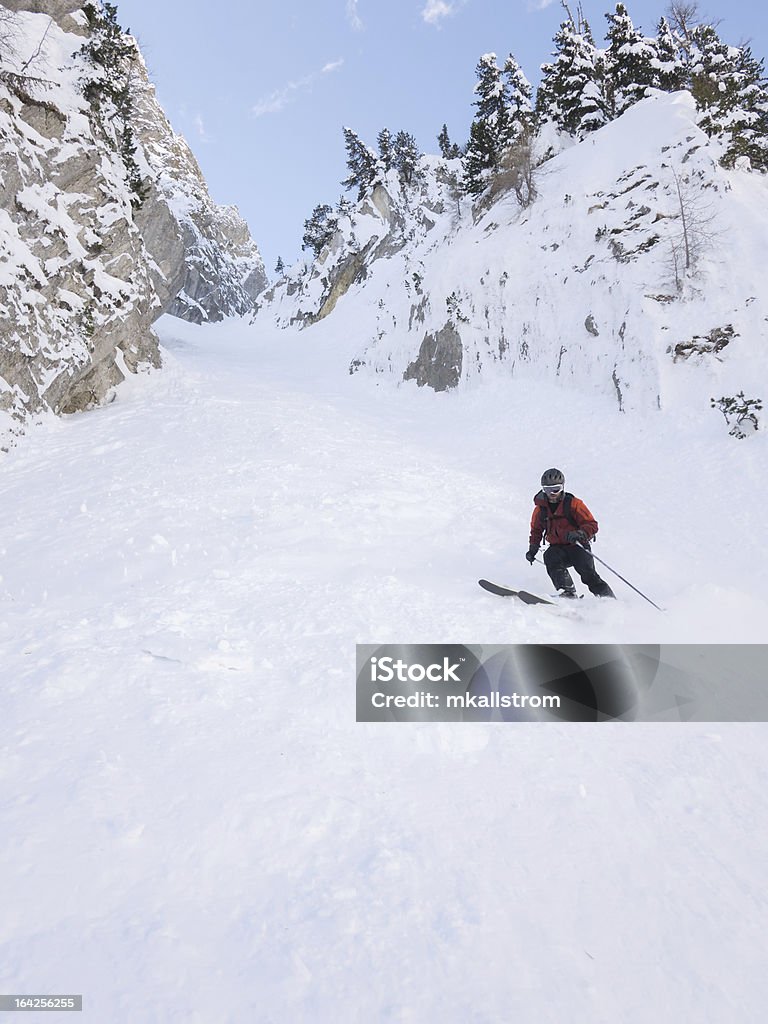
577 537
531 553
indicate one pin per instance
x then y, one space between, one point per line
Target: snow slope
195 829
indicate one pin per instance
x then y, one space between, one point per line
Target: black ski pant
558 558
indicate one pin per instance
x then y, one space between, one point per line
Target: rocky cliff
105 219
223 269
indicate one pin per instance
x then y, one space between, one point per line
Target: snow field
196 829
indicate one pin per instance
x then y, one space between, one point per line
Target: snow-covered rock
60 10
223 270
588 284
85 269
76 289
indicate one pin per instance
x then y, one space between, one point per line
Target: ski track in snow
196 830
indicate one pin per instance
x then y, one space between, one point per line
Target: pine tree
631 62
279 266
711 70
519 106
384 142
504 114
344 208
730 90
406 157
107 49
110 54
477 159
449 150
571 93
127 146
490 127
746 118
319 229
669 67
362 162
491 103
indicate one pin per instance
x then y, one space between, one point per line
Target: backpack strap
543 521
567 499
544 514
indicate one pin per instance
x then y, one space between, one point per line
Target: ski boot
564 583
601 589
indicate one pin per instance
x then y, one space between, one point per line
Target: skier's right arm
537 528
537 532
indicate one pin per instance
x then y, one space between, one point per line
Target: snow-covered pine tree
711 70
344 207
730 90
319 229
571 92
746 114
405 157
110 54
631 62
107 51
362 163
519 93
490 126
384 142
492 102
669 64
504 114
478 160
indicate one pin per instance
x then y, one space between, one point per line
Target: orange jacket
555 524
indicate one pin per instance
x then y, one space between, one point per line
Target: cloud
352 16
199 124
278 100
434 11
539 5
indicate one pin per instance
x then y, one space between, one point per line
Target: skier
568 526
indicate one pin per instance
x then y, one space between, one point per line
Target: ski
521 595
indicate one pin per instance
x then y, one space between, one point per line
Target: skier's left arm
584 518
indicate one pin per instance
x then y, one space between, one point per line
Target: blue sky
261 91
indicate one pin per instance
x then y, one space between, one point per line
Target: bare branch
684 16
39 49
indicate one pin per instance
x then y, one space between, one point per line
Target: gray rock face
394 225
59 10
76 284
55 9
223 269
439 361
84 268
345 274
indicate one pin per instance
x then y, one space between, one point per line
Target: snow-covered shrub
740 413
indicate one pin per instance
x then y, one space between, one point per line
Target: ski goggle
553 489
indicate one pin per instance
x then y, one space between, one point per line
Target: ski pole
622 579
615 574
